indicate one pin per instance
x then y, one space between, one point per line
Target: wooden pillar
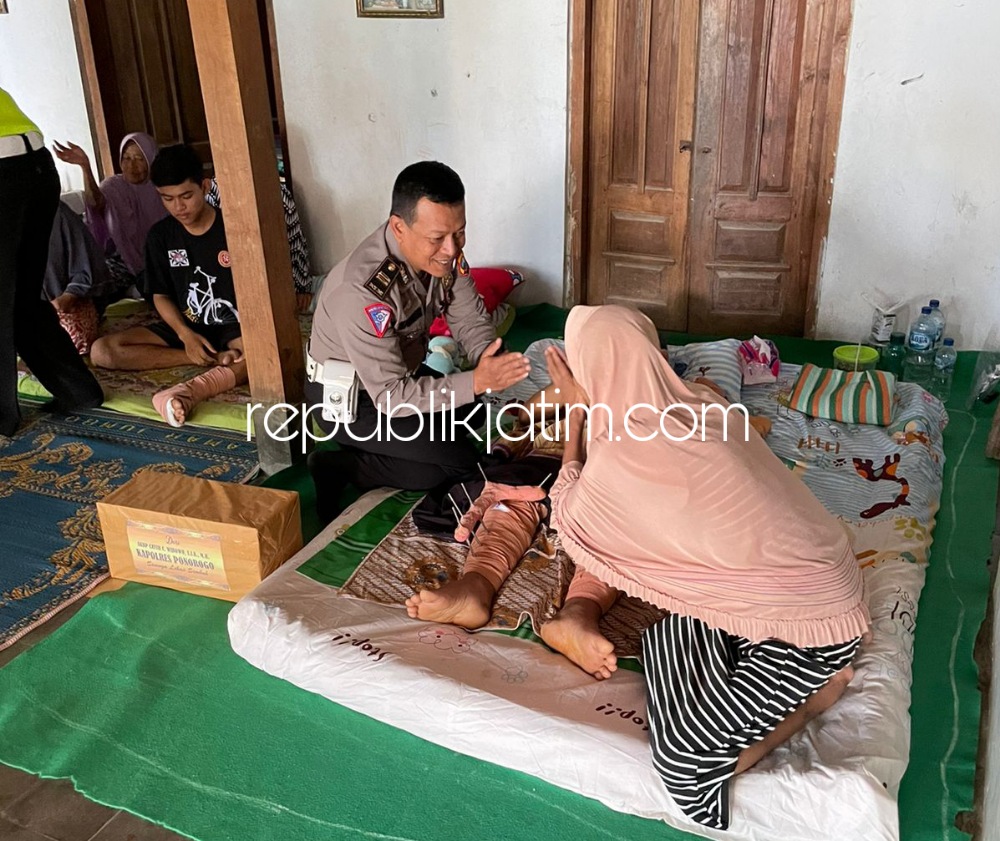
227 42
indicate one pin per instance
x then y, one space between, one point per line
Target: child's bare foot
466 602
229 357
574 633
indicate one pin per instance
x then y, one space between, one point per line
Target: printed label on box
186 556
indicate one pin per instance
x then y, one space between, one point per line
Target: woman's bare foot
467 602
817 703
574 633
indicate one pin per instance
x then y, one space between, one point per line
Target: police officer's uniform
374 312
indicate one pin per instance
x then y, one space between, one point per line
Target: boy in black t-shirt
191 285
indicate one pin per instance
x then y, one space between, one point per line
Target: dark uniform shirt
375 312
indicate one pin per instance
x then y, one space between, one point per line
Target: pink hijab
716 529
130 210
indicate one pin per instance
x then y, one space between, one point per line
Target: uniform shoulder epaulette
385 277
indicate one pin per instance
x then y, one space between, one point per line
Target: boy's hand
761 424
199 349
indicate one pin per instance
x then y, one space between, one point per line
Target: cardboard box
207 538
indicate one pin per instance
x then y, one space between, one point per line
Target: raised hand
570 391
70 153
497 371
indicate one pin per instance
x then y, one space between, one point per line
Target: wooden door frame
578 169
105 158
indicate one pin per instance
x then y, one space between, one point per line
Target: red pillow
493 285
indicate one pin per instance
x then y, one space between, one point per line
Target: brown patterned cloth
408 560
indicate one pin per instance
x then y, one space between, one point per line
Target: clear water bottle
937 317
920 350
894 355
944 370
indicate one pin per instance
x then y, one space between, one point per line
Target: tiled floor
32 809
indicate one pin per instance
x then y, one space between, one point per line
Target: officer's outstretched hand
497 371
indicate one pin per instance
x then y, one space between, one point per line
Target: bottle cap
925 310
949 342
897 338
935 303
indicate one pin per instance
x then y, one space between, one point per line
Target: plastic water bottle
920 350
894 355
937 318
944 369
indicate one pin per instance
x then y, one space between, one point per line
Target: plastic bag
986 379
759 361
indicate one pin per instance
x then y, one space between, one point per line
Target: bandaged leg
506 532
174 404
586 586
575 630
500 542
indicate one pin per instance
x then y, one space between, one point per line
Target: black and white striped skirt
712 695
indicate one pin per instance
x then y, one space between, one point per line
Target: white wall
916 202
483 90
39 68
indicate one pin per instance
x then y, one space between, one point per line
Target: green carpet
141 702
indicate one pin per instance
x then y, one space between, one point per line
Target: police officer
374 313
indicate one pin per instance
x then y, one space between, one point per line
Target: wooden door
642 65
147 73
765 119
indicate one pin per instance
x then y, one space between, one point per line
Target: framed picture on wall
399 8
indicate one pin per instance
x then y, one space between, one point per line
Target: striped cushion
718 361
847 396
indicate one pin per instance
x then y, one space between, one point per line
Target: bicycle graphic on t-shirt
204 307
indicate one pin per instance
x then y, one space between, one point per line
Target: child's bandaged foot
175 404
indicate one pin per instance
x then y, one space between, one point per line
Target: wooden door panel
759 131
641 109
147 72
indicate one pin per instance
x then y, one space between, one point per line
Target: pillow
718 361
847 396
493 286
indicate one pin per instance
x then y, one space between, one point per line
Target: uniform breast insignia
448 287
380 316
384 277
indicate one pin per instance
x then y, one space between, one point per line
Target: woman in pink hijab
764 597
124 207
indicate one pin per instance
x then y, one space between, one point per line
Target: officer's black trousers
29 326
424 462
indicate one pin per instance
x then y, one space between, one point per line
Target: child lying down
508 517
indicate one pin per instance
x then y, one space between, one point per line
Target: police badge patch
462 265
380 316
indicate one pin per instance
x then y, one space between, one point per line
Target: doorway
702 143
140 74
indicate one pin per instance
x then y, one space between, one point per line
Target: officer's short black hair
174 165
429 180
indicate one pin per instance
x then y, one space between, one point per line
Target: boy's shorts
220 335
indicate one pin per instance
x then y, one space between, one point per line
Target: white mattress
509 701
